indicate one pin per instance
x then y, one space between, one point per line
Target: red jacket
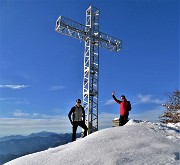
125 106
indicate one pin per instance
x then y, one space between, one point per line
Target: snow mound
138 142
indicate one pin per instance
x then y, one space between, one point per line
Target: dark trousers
123 120
74 128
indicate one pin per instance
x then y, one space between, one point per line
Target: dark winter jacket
125 106
77 113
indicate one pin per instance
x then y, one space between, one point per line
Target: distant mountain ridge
41 134
12 147
5 138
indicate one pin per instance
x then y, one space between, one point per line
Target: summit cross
93 39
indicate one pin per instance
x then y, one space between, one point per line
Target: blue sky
41 71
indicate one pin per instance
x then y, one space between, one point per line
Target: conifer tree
172 108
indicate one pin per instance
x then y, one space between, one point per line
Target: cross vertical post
91 69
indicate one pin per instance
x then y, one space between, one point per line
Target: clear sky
41 71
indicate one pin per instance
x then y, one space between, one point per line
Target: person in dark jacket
125 107
77 118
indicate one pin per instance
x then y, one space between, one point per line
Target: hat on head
78 100
123 96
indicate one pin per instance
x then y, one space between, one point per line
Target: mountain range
15 146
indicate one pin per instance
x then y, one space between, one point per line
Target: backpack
129 106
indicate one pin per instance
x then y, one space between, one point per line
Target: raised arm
114 97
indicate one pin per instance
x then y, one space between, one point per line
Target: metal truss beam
79 31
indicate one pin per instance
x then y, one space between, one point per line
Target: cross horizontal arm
70 28
81 32
109 42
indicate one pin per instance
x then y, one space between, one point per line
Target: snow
136 143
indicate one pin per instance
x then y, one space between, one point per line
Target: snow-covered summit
138 142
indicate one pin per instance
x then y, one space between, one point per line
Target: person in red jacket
125 107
